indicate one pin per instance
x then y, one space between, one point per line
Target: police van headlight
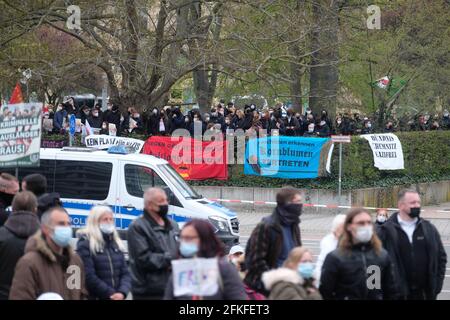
220 223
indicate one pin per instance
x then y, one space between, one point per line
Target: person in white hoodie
329 243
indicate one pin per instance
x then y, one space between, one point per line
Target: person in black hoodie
9 186
416 249
95 119
22 223
114 117
37 184
177 120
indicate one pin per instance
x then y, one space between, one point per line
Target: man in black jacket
152 244
273 238
416 249
22 223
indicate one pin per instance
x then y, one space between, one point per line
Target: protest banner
20 135
198 276
387 151
192 159
287 157
104 142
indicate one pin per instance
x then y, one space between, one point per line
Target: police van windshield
181 185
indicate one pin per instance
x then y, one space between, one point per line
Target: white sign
20 135
198 276
387 151
341 139
104 142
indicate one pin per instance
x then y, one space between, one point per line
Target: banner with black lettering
387 151
104 142
20 135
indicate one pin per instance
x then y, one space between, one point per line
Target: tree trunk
324 70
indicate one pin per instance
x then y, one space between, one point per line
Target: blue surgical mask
188 249
306 270
62 235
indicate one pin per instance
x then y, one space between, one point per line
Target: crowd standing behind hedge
275 120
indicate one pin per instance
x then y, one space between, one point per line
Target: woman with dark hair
198 240
359 269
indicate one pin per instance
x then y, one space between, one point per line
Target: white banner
198 276
104 142
20 134
387 151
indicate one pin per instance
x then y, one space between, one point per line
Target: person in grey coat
152 244
198 240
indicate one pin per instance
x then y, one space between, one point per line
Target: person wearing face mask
416 249
95 119
83 114
291 124
295 279
9 186
113 117
49 262
198 240
367 127
359 269
310 132
381 217
323 130
102 252
152 244
339 125
273 238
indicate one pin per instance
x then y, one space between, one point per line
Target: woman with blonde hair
359 269
102 252
295 279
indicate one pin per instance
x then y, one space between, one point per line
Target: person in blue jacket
102 252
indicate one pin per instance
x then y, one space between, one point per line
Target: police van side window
138 179
85 180
46 168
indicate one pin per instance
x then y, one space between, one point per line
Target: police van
85 177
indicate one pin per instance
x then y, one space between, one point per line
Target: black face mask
414 212
289 214
294 208
163 209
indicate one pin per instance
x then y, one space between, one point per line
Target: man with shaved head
152 244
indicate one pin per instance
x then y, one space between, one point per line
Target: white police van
85 177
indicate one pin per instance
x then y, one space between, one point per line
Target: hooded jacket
46 201
41 270
13 237
287 284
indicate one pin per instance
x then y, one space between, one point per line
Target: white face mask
107 228
381 219
364 234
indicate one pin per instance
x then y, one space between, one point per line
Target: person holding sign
204 272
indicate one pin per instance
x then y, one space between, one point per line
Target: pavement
314 226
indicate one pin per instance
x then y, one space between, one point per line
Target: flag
395 85
16 96
382 83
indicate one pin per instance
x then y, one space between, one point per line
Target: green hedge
426 156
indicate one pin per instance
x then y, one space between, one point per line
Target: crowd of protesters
400 257
224 119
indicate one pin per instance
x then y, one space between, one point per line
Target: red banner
16 96
192 159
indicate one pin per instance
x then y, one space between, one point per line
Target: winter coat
345 275
113 117
13 237
177 122
151 248
389 235
106 271
292 122
323 131
59 119
287 284
230 285
263 249
41 270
